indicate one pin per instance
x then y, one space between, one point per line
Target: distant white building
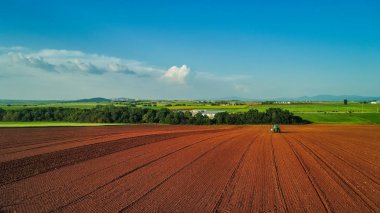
211 113
282 102
208 113
375 102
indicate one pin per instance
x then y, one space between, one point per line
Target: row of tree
112 114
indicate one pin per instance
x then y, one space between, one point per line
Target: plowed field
316 168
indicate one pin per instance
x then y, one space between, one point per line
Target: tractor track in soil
348 153
315 185
125 174
278 184
216 208
115 165
363 172
124 209
197 164
359 170
339 177
224 133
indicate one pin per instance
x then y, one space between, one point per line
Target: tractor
275 128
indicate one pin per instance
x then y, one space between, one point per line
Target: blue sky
188 49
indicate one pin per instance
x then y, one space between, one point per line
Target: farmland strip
52 144
142 181
313 168
278 183
198 186
71 190
166 179
315 185
353 163
111 164
353 166
18 137
339 177
298 191
123 175
16 170
339 197
254 188
238 166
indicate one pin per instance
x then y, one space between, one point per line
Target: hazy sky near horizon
188 49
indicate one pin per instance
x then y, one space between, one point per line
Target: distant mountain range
98 99
31 102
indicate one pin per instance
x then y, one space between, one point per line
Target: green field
342 118
238 108
57 124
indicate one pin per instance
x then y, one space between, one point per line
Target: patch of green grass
46 124
236 108
373 117
322 107
342 118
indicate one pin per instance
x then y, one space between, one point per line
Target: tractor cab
275 128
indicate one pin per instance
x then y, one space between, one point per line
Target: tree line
112 114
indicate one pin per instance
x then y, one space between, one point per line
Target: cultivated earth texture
317 168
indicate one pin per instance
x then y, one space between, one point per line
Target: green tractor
275 128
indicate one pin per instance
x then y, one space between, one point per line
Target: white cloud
74 61
70 74
176 74
32 61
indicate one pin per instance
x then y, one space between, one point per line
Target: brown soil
315 168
